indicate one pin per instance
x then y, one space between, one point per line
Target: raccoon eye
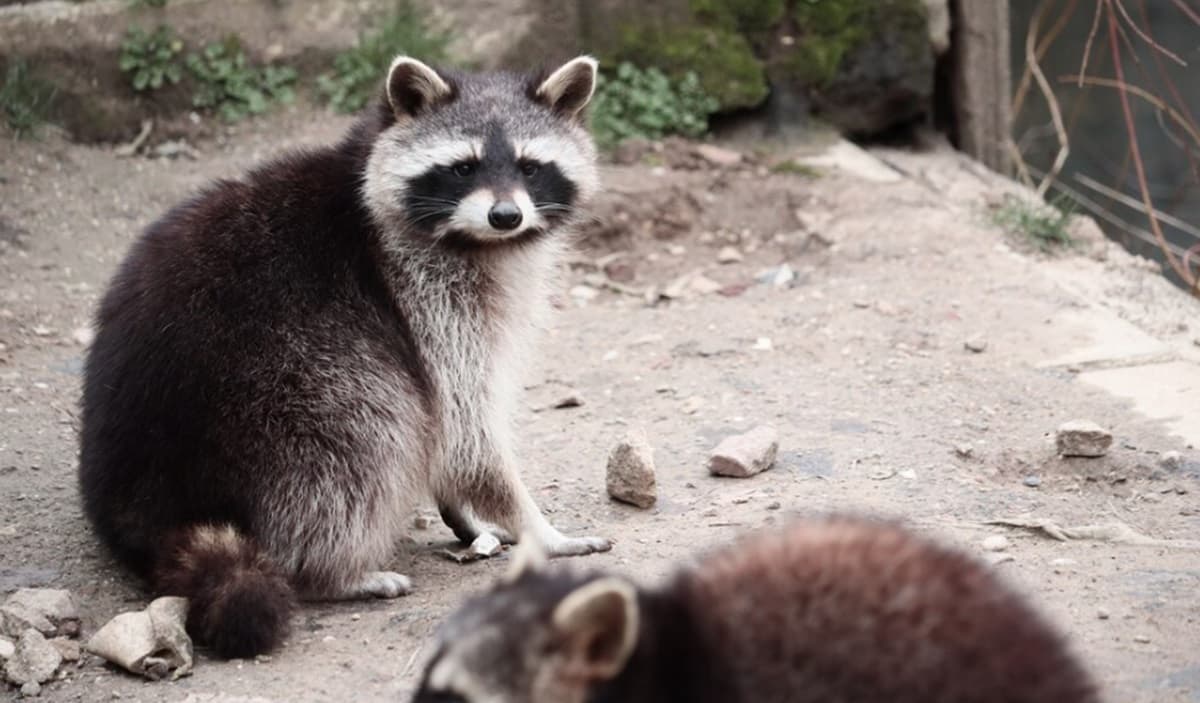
530 168
463 169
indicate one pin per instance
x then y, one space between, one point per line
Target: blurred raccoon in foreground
840 610
286 365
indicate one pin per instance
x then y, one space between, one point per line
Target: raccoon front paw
577 546
382 584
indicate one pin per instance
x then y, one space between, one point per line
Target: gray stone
485 545
35 659
1032 481
1083 438
1171 461
995 543
744 455
50 611
150 642
630 474
729 255
31 689
976 344
68 648
6 650
718 156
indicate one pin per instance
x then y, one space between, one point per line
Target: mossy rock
867 65
722 59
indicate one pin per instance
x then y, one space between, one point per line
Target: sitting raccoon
286 365
838 610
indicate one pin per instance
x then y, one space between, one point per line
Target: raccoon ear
528 557
568 90
599 622
413 87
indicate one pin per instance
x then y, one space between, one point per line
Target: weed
636 102
796 168
25 100
151 58
357 72
235 88
1047 226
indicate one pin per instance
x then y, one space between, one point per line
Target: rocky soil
911 359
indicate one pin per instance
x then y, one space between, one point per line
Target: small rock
692 405
1141 639
6 650
83 336
31 689
485 545
744 455
1083 438
718 156
584 293
1171 461
763 344
995 543
976 344
68 648
774 505
50 611
34 659
704 285
861 304
729 255
964 451
907 474
150 642
421 522
778 277
571 398
630 473
1102 613
1032 481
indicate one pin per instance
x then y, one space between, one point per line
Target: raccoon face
537 638
477 160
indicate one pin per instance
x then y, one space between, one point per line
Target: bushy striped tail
240 603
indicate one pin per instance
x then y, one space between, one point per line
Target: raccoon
286 364
833 610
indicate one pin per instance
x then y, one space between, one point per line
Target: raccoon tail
240 602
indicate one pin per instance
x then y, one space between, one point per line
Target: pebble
976 344
50 611
1083 438
1102 613
964 451
584 293
718 156
421 522
1141 639
83 336
729 255
630 473
68 648
779 277
744 455
6 650
35 659
996 543
570 399
1171 461
1032 481
485 545
31 689
763 344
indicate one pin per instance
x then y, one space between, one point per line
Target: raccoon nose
504 215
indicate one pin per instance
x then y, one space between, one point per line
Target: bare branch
1146 37
1031 62
1087 47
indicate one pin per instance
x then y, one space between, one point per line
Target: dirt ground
859 362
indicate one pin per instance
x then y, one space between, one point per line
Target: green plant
357 71
151 58
227 82
25 100
636 102
1047 226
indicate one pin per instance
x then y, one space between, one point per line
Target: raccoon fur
836 610
288 363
